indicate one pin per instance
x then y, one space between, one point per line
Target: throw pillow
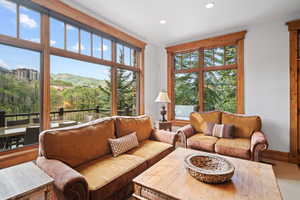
219 130
123 144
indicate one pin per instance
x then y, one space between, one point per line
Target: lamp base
163 112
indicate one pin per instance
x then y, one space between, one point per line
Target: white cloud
52 42
26 21
105 47
69 27
35 39
76 47
8 5
3 64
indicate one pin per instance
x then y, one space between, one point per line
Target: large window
81 67
206 78
127 92
81 87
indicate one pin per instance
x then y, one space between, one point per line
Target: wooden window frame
236 39
46 51
294 31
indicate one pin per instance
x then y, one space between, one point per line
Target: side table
25 181
167 125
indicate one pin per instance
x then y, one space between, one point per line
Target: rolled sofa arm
68 183
259 143
184 133
164 136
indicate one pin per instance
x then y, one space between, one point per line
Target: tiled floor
288 176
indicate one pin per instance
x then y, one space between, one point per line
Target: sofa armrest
184 133
164 136
259 143
68 183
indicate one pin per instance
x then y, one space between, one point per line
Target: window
8 12
126 55
19 94
57 32
81 87
85 80
85 47
206 78
186 94
29 24
127 92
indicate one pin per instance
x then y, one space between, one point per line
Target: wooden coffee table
169 180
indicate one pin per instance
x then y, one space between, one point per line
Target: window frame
236 39
46 50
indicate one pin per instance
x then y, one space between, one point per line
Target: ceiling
186 19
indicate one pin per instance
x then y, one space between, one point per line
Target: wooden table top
22 179
251 180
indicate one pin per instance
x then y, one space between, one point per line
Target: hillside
68 79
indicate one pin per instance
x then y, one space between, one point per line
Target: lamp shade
163 98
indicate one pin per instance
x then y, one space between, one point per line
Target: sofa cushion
237 147
78 144
199 119
219 130
152 151
141 125
107 175
122 144
202 142
244 125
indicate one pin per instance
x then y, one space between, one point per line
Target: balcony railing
61 114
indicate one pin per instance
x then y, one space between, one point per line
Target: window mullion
201 80
18 20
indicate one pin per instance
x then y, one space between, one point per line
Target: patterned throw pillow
219 130
123 144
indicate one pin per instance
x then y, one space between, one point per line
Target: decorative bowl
209 168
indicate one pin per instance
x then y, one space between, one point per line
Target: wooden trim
276 155
294 121
294 25
114 98
209 42
83 18
180 122
45 75
12 41
141 83
18 157
77 56
170 86
205 69
240 77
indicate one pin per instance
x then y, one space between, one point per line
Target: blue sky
11 57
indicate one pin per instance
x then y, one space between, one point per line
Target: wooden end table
169 180
165 125
25 181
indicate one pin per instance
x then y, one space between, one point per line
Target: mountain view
65 79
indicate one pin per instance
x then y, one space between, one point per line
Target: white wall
266 78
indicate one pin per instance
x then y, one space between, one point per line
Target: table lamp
163 98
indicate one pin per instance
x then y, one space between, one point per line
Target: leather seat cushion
152 151
202 142
237 147
107 175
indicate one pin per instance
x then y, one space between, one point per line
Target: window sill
17 156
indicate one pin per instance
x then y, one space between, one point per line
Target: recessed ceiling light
162 21
210 5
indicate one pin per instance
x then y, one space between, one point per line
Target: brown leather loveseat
80 160
248 141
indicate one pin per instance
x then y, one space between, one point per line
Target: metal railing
61 114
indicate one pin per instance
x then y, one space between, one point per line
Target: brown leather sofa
248 142
80 160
